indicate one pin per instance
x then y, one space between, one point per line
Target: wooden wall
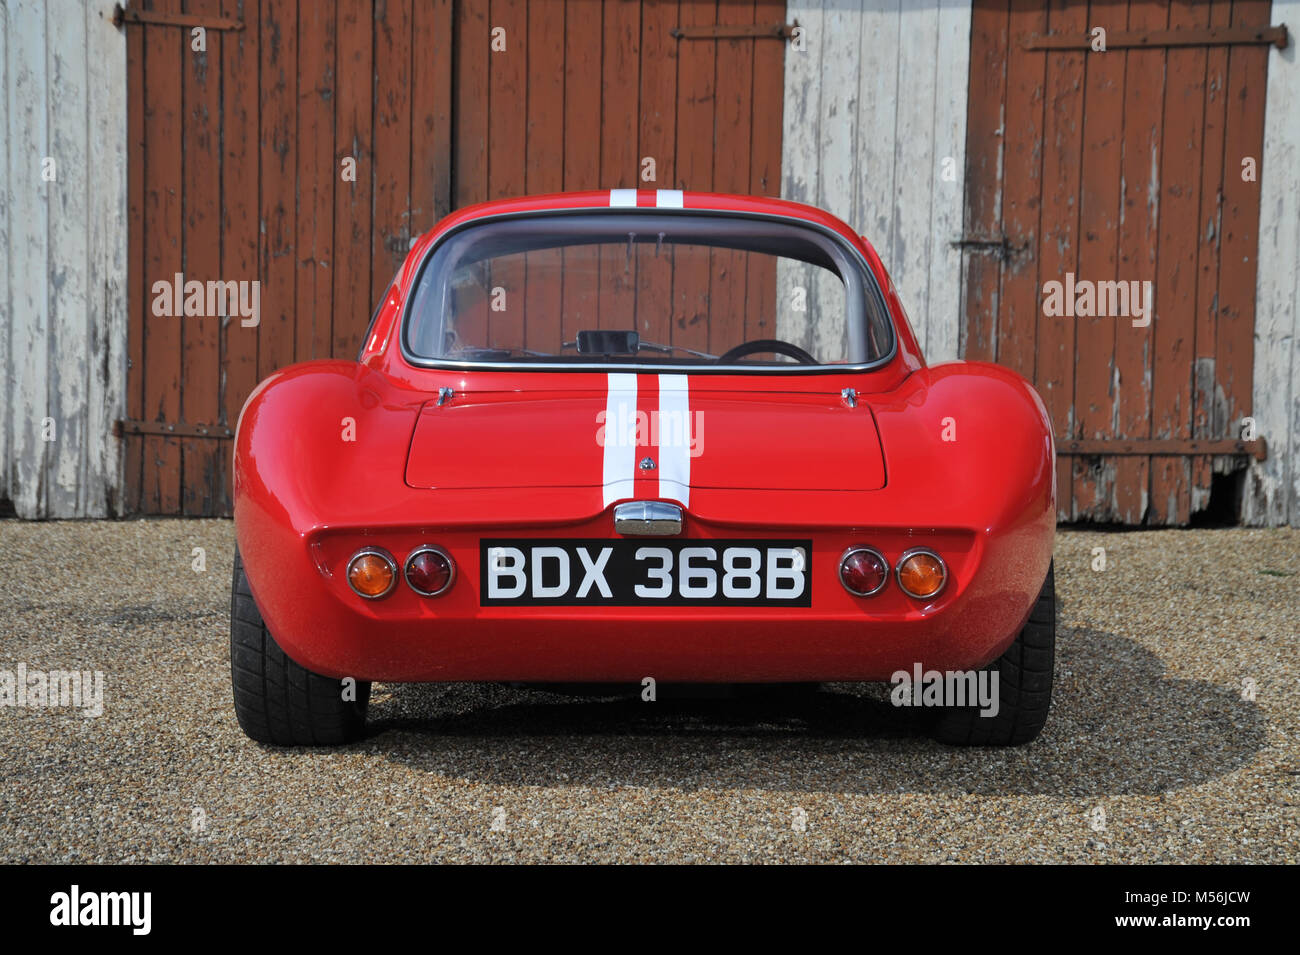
63 266
1273 486
235 170
1120 165
873 106
234 162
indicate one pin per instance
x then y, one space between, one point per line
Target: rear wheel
1024 685
276 700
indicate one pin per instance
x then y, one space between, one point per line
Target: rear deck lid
758 440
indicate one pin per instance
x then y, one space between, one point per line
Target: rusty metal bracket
1120 40
122 16
720 31
1000 246
1177 447
131 426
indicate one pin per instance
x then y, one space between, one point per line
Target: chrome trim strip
648 519
429 549
378 552
839 571
920 550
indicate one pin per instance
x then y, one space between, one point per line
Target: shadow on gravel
1118 725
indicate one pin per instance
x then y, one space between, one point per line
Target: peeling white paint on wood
872 108
62 282
106 263
1273 486
800 158
6 317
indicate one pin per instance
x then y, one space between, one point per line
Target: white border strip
674 438
668 198
620 448
622 198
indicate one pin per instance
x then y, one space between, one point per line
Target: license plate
625 573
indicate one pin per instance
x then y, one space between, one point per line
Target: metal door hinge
167 429
1121 39
1177 447
123 16
1000 245
719 31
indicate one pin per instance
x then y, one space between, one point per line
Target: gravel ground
1155 751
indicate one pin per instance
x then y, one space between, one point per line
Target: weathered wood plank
1138 245
314 213
1058 251
657 141
915 169
431 131
952 69
986 143
1235 332
69 352
765 164
1273 491
106 261
1093 483
203 463
240 185
696 87
1174 321
6 318
800 159
138 293
1022 187
837 174
732 119
507 168
473 47
390 229
29 144
163 260
1209 418
354 78
583 27
278 83
619 166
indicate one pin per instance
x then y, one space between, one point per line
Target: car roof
650 200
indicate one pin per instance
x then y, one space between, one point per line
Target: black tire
276 700
1024 685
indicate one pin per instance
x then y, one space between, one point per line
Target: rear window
646 288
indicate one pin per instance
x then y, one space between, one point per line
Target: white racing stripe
620 438
674 438
668 198
622 198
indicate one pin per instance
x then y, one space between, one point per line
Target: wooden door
239 168
1130 164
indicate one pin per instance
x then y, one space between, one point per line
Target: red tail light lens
863 571
429 571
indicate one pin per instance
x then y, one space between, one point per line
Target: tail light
429 571
372 572
922 573
863 571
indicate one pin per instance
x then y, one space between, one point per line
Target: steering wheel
759 345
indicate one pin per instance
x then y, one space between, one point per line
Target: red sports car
619 436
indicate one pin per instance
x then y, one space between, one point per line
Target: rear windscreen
646 288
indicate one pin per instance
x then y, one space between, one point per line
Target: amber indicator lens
922 574
429 572
371 574
863 572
